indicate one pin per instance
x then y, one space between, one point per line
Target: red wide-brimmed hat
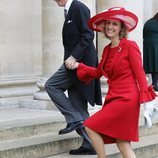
129 19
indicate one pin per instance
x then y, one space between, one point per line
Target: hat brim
129 19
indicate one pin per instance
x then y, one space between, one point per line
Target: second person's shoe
82 151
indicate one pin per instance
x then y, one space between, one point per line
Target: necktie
65 13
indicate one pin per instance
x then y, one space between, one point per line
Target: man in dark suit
78 46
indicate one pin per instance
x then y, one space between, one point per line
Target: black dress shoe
71 127
82 151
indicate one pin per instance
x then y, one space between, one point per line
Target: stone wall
20 47
31 46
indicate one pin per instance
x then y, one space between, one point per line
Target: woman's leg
97 142
125 149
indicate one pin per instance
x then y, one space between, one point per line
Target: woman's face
112 28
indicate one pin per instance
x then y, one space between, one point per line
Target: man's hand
71 63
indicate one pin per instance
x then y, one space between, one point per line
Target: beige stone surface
31 47
20 47
20 37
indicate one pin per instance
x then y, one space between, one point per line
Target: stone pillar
53 52
148 9
20 49
91 4
52 48
155 6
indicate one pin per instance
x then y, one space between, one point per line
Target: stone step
38 146
44 128
30 130
20 122
47 145
147 147
26 133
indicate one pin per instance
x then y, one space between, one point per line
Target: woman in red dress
121 64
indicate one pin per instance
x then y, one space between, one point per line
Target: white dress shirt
67 6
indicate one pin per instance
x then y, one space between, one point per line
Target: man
78 46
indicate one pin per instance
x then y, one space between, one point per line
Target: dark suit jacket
78 42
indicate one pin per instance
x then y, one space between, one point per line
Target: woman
150 49
121 64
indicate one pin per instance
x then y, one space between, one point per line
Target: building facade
31 44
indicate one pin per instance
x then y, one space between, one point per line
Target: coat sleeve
87 73
146 92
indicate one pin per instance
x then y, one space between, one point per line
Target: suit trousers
73 106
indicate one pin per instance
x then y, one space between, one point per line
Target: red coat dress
119 116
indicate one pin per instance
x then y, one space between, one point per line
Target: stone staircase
28 133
